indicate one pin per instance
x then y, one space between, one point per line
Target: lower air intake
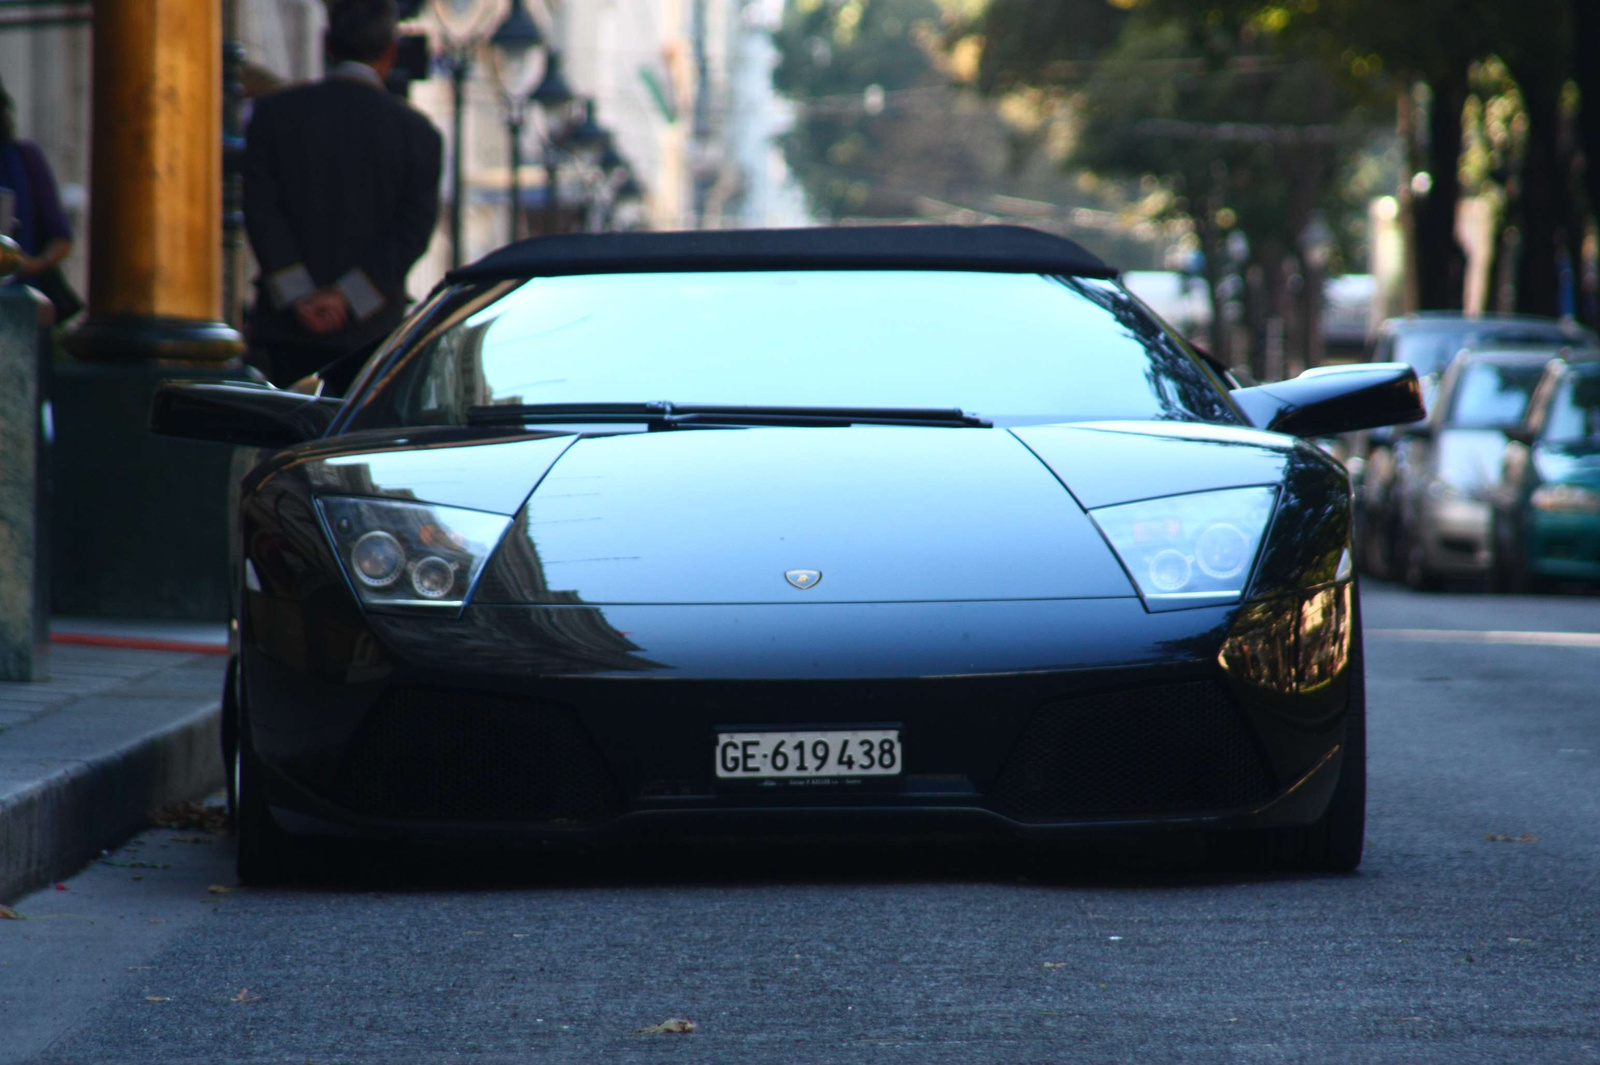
441 756
1181 748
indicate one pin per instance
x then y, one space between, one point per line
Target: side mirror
1330 400
240 412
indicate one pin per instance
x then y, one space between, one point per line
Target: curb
51 826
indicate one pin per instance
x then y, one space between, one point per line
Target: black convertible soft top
994 249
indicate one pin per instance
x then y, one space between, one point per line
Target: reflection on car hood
882 514
1568 463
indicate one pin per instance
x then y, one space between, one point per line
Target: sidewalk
127 723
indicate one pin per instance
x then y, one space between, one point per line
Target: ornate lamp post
515 45
553 96
464 24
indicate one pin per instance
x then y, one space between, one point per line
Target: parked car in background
1427 342
1446 468
1546 520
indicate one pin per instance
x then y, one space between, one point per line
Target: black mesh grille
1168 750
443 756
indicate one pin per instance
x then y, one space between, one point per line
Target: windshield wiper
665 415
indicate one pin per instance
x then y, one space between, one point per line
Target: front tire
265 854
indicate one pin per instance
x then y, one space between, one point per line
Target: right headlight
1565 499
408 555
1189 550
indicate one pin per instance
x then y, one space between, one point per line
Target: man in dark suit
341 194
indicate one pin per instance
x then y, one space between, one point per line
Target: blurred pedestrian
341 195
30 214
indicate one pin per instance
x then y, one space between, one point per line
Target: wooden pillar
155 255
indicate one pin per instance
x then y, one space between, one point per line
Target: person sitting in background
30 206
341 195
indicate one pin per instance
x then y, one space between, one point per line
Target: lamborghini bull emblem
803 578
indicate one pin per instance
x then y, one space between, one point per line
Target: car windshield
1574 416
1014 348
1493 396
1427 353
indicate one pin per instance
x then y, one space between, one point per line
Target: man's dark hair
361 30
8 119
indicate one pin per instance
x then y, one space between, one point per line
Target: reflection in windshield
1575 410
1491 396
1016 348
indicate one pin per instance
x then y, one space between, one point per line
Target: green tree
860 76
1248 136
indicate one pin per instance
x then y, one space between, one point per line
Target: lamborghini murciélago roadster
852 531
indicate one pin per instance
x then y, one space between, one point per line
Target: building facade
683 87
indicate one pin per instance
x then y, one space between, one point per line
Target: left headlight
1189 550
405 555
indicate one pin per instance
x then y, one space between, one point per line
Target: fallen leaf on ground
219 889
8 914
61 887
191 816
157 998
670 1026
1526 837
244 995
1055 965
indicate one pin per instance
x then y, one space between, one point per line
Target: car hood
1568 463
883 514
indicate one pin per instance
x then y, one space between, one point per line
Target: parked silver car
1446 468
1427 342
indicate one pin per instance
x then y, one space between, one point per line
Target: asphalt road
1471 933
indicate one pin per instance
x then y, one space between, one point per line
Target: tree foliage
854 68
1248 136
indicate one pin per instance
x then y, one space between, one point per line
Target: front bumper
1029 719
1457 537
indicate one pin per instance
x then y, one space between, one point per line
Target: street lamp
588 138
463 24
514 44
552 96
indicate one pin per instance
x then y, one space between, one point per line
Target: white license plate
853 753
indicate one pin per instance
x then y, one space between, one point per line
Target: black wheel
1512 572
1333 843
1503 563
1413 558
230 732
265 854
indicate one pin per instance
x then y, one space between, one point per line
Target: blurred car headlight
1565 499
407 555
1189 550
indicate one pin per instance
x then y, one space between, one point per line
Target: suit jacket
341 187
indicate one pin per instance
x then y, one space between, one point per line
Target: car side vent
426 755
1181 748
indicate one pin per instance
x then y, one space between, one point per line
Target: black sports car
847 531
